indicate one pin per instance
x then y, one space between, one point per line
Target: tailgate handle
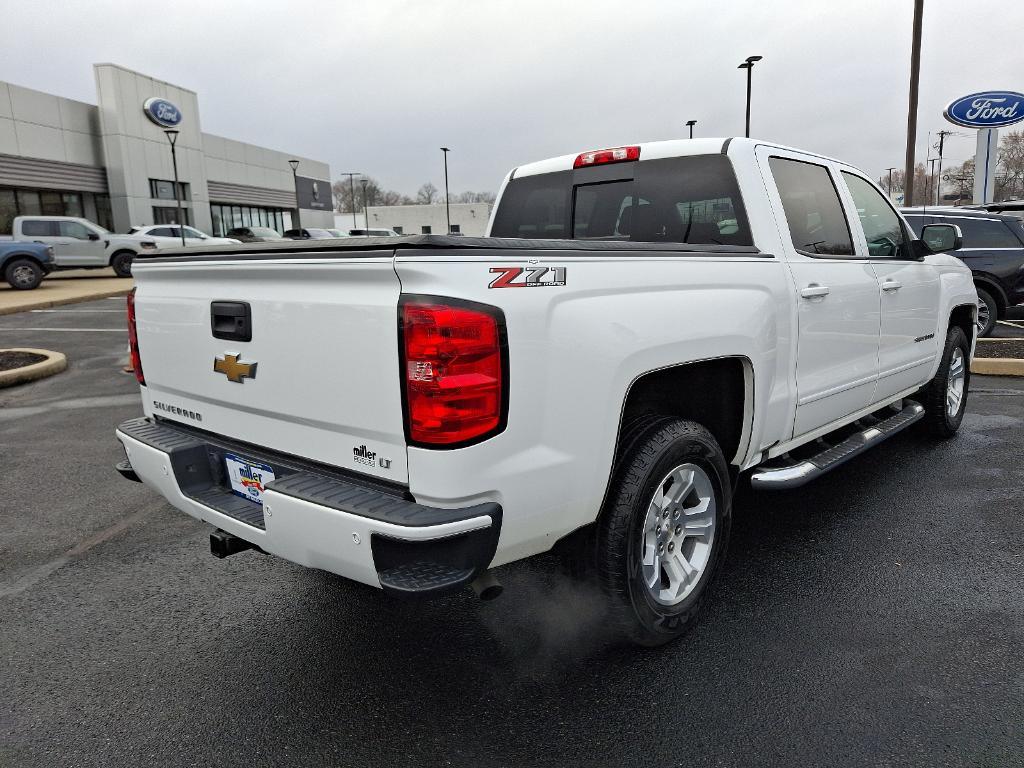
231 320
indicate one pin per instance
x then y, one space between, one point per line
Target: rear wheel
988 313
945 397
122 263
23 274
663 531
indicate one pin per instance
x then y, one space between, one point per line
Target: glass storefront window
73 204
51 203
104 213
28 203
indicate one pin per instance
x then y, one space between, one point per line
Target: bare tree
426 194
1010 181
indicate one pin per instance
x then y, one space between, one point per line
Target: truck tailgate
324 344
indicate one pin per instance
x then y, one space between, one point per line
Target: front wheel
664 531
945 397
122 263
23 274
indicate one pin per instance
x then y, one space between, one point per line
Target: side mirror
93 236
942 237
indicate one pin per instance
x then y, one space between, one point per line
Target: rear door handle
814 290
891 285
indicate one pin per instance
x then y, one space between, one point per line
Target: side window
162 232
73 229
38 228
986 233
882 226
816 220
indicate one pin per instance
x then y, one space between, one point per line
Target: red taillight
606 156
133 339
453 371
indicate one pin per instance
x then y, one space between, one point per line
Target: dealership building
468 219
111 162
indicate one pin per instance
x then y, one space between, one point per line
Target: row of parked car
41 244
993 247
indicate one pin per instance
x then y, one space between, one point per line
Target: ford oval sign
990 109
162 112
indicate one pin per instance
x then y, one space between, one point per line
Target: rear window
674 200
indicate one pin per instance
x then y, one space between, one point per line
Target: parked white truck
81 244
643 325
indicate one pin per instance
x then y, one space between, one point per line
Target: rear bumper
315 516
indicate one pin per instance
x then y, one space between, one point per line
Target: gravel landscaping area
9 360
1001 348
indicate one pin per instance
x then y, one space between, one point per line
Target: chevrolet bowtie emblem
234 370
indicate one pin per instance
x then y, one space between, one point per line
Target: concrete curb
47 303
54 363
997 366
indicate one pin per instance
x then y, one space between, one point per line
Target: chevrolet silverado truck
642 326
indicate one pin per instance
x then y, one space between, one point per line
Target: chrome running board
793 476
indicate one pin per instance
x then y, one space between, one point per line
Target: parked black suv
993 249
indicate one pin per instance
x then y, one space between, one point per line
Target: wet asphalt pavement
873 618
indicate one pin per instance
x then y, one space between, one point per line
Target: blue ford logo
990 109
162 112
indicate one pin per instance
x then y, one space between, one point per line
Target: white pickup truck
643 325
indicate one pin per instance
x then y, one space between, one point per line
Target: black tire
23 274
122 263
644 464
987 302
938 418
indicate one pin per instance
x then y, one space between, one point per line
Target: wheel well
710 392
993 288
16 256
962 317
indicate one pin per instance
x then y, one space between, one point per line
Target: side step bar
780 478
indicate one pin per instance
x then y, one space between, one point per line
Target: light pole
447 210
295 180
890 170
749 66
366 210
915 76
172 136
352 194
690 124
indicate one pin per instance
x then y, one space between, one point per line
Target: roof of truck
656 150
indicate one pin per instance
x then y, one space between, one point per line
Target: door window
882 226
162 232
74 230
816 220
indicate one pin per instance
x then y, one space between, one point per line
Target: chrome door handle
891 285
814 291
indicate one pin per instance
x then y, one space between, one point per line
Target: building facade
111 162
468 219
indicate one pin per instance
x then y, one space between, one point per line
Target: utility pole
915 77
938 179
447 210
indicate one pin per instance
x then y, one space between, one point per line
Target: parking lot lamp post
749 66
366 210
690 124
447 210
172 137
890 170
295 181
352 194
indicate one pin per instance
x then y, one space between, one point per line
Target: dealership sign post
987 111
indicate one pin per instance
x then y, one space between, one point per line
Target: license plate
248 478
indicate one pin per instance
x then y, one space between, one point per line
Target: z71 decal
527 277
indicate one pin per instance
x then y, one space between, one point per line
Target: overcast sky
377 86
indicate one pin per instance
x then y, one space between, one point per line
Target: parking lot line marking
41 572
1010 322
104 311
71 330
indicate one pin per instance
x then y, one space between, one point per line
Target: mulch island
999 348
9 360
